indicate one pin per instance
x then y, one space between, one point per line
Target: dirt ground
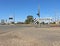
29 36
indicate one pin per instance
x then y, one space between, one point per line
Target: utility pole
14 17
56 17
39 14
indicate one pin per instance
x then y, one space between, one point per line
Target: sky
22 8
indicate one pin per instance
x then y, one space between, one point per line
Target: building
45 20
2 21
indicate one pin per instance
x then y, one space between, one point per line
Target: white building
45 20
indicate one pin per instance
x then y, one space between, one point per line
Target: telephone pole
39 14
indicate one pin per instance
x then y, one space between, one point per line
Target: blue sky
22 8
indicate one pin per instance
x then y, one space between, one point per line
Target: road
45 36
